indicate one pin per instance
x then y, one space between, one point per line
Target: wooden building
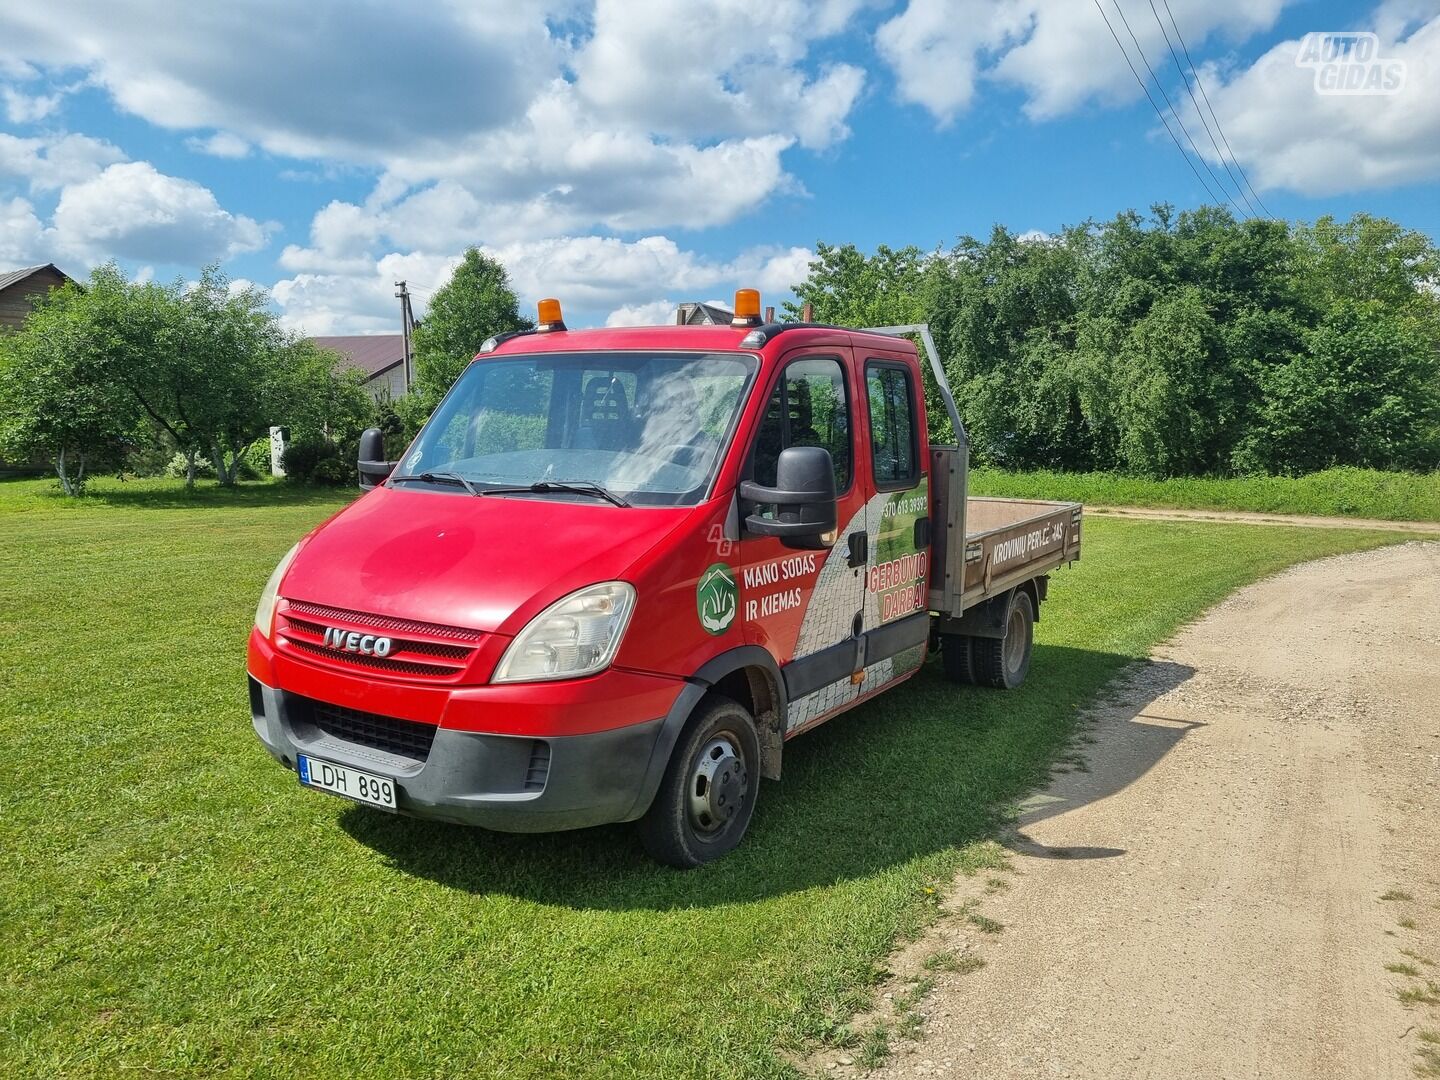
20 288
380 358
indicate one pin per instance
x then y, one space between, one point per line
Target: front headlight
576 636
265 610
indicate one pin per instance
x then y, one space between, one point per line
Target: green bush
150 456
176 469
255 462
319 461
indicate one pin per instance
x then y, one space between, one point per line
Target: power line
1145 87
1199 111
1196 72
1171 106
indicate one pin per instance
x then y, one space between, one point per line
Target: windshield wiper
576 487
442 478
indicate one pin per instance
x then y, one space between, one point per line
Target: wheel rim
719 783
1015 641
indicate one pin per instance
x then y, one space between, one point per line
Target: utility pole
407 326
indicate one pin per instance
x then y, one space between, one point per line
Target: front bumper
510 783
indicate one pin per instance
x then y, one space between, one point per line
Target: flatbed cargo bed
983 547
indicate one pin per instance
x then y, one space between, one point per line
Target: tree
1173 343
139 332
53 398
1365 392
893 287
1173 397
210 366
476 303
233 351
206 364
317 397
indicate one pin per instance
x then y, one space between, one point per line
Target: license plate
342 780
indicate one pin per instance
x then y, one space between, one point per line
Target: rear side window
808 408
893 445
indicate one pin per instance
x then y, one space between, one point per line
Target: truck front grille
424 650
404 738
383 623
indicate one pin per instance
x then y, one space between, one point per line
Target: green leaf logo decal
717 598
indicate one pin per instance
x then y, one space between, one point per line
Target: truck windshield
649 427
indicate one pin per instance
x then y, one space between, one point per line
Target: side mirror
373 466
803 497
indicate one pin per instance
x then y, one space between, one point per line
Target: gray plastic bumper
503 782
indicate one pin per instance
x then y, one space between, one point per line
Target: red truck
619 568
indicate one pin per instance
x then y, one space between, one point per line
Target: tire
956 653
1002 663
708 794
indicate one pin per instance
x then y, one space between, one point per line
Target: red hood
458 560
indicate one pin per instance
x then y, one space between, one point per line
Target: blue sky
626 156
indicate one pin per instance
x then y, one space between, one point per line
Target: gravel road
1256 838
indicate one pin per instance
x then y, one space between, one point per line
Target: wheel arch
748 674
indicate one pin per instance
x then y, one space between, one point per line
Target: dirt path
1245 517
1256 838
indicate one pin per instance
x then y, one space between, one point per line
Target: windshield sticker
717 598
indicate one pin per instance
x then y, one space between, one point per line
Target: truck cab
619 568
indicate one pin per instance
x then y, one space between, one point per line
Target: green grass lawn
1334 493
171 901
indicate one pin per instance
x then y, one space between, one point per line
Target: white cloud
20 234
22 108
50 162
600 272
222 144
1059 52
774 271
133 211
560 169
650 313
255 69
742 82
933 47
1287 135
323 304
597 278
360 300
489 124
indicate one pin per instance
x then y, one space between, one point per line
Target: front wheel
708 794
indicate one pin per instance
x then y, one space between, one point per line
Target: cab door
804 607
896 621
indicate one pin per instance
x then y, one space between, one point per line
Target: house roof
693 314
369 353
12 277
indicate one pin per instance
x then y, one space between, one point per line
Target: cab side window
893 445
808 408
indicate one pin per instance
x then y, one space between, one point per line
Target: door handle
859 548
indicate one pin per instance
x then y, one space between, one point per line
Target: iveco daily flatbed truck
619 568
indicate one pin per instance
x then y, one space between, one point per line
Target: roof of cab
700 338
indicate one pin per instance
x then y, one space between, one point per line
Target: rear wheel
708 794
956 654
1003 662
